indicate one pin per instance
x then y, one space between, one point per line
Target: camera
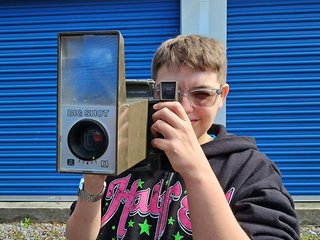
168 91
103 121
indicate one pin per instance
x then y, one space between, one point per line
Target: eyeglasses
201 97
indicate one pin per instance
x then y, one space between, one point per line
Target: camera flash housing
99 131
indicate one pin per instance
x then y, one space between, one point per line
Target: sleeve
264 208
72 207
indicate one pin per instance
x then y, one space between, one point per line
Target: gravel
55 231
32 231
310 232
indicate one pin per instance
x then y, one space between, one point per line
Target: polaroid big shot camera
99 129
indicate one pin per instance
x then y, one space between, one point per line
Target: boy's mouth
193 120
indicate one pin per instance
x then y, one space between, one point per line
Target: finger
170 117
161 129
160 143
175 107
155 131
167 123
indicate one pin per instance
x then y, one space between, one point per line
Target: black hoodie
154 205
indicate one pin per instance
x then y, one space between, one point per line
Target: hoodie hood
226 143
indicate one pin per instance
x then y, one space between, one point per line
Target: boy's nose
186 104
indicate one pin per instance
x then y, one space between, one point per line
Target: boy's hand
179 140
93 184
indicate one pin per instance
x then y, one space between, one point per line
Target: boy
222 187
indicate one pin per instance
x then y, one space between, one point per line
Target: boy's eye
202 94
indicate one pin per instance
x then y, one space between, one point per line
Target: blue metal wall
28 58
274 74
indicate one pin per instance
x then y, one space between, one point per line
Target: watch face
81 183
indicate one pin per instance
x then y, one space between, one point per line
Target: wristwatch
87 196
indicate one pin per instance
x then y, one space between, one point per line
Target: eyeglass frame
186 93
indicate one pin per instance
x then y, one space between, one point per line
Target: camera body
168 91
102 127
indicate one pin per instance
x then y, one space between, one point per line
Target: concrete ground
308 212
36 211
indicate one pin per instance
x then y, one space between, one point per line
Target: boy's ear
225 91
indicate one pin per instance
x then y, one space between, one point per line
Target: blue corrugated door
274 74
28 58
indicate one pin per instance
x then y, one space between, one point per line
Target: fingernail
155 107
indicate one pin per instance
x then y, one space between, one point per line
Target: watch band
87 196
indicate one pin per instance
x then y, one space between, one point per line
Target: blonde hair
198 53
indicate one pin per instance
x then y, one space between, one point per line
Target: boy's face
201 117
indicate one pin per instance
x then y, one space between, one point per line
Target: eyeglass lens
201 97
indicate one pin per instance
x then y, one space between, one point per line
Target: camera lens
88 140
